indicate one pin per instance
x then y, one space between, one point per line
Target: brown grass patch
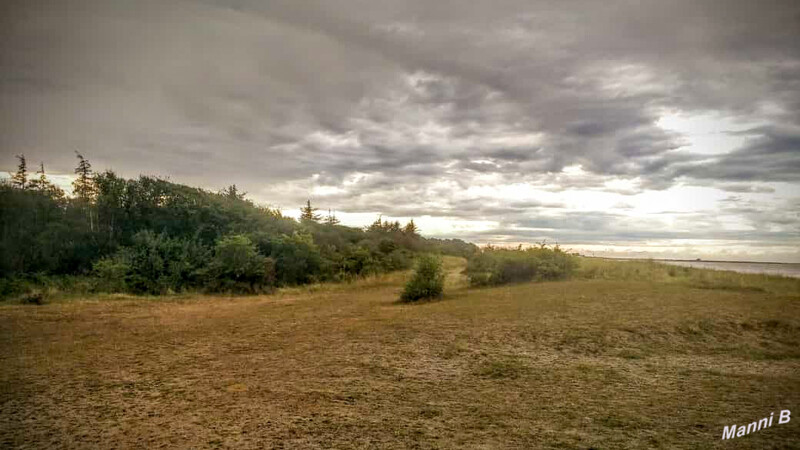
588 363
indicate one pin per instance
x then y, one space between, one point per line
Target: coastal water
789 270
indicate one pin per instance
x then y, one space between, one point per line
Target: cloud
425 99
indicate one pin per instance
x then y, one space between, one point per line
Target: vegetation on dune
149 235
653 271
494 266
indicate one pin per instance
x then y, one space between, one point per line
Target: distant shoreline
692 260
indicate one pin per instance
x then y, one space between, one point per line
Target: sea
785 269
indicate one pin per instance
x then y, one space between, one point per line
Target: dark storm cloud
414 93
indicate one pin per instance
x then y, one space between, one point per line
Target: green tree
233 192
34 235
154 263
20 178
43 185
41 182
331 219
309 214
112 194
297 258
83 187
377 226
427 282
237 266
411 228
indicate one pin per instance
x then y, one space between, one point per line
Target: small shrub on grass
34 298
427 282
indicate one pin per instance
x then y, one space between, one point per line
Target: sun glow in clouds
707 134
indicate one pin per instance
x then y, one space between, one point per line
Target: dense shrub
238 267
387 246
427 281
19 286
397 260
153 264
297 258
112 273
358 261
453 247
494 266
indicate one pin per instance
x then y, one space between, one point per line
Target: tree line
149 235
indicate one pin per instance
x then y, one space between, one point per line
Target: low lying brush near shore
488 268
495 266
604 269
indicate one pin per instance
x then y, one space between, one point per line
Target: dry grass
603 363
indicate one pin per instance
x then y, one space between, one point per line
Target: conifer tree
20 179
233 192
331 219
40 183
410 228
377 225
309 213
83 186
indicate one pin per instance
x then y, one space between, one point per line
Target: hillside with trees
149 235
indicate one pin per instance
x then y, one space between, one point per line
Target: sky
663 129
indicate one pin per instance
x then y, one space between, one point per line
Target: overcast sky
632 128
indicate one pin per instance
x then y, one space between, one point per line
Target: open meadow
624 355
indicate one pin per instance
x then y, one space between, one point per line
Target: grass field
627 355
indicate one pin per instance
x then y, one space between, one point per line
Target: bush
427 282
153 264
387 246
13 286
111 273
358 261
34 298
238 267
297 259
397 260
494 266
